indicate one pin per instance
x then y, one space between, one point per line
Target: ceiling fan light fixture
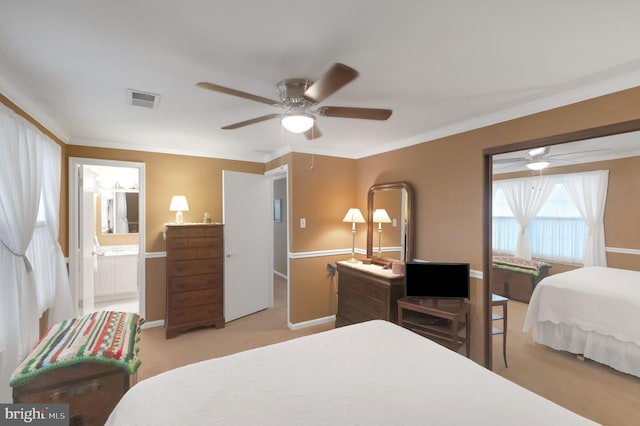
537 165
297 122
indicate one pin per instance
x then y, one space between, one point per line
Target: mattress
600 299
593 311
373 373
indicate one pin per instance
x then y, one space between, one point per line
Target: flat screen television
437 280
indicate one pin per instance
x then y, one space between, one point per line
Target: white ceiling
441 66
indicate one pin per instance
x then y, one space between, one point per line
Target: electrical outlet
303 222
394 222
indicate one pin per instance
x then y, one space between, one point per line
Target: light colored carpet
260 329
585 387
588 388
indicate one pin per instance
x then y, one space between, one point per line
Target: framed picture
277 212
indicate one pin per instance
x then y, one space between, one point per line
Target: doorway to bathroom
107 235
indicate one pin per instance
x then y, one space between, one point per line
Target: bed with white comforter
593 311
374 373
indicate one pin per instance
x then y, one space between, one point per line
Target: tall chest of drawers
194 277
367 292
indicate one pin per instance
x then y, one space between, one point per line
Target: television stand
444 321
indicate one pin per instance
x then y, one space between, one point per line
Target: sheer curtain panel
20 188
525 198
589 193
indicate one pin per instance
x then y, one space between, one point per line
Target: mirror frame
488 153
408 246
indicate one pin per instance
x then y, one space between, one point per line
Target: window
557 233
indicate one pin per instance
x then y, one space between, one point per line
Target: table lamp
380 216
354 216
178 205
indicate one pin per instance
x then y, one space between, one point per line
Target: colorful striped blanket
105 336
531 267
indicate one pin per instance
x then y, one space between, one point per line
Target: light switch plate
303 222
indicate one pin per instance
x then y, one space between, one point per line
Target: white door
87 238
248 243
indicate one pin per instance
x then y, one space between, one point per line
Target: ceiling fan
539 158
298 96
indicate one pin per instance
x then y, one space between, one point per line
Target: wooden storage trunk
86 362
91 389
517 284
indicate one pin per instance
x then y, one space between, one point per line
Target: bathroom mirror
390 235
119 212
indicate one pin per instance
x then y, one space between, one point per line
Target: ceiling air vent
144 99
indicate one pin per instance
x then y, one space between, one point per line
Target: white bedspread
375 373
604 300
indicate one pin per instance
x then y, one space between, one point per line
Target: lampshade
537 165
353 216
381 216
179 204
297 122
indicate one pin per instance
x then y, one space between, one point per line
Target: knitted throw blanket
531 267
105 336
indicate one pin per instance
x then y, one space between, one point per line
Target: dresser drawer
373 307
177 243
360 313
183 254
194 267
211 231
205 242
208 252
196 231
196 282
195 313
365 288
177 232
197 297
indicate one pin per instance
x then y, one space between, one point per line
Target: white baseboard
310 323
151 324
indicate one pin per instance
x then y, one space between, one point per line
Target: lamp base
353 260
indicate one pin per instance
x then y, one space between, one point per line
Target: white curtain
589 193
525 198
20 188
52 279
121 225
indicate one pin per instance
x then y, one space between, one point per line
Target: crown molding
25 103
583 93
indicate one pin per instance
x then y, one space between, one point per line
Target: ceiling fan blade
313 133
577 152
330 82
237 93
351 112
509 160
252 121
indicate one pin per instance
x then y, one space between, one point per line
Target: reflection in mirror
119 212
117 208
614 148
389 235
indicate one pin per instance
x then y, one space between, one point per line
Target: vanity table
367 292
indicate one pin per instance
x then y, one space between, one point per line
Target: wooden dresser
194 277
367 292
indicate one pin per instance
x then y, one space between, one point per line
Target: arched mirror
389 222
